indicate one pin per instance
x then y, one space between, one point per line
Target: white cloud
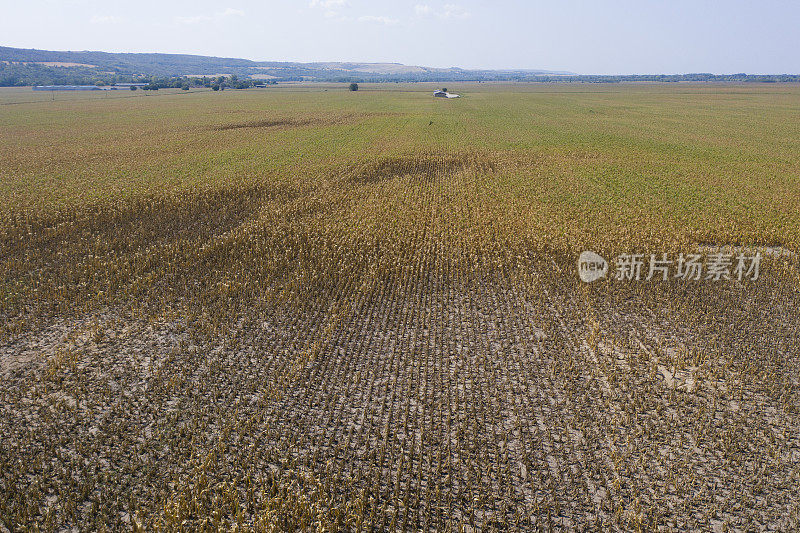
454 11
330 7
105 19
422 10
328 4
379 20
448 11
332 11
230 12
219 15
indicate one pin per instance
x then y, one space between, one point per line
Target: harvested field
375 321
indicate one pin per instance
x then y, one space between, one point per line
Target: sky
585 37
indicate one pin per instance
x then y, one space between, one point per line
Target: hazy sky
588 37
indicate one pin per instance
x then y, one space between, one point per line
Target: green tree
353 86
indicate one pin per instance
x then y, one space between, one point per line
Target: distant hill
104 64
20 67
138 65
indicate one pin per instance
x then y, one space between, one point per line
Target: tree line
27 74
13 74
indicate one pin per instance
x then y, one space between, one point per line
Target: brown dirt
443 402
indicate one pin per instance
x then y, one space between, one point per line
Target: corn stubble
389 342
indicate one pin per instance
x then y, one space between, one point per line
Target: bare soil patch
295 122
428 168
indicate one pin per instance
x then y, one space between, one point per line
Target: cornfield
320 310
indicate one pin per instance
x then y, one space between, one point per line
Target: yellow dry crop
327 311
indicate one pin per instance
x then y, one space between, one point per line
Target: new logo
591 267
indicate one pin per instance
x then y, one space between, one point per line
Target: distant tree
444 89
133 87
215 87
353 86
